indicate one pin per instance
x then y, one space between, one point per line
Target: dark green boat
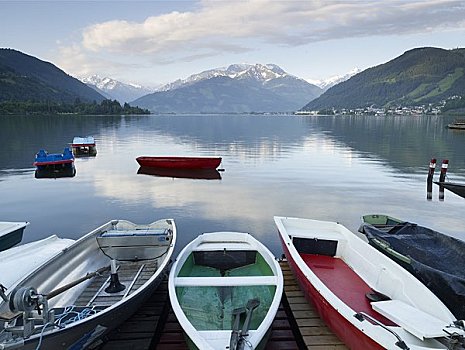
436 259
384 222
457 188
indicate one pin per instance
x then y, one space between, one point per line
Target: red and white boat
84 146
368 300
179 162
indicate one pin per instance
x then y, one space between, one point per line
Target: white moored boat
11 233
88 288
368 300
225 289
19 261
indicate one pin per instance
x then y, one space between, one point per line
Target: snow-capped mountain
259 72
325 84
238 88
116 90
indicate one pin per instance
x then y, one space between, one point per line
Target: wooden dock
313 331
154 326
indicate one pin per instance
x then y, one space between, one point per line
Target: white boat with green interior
225 289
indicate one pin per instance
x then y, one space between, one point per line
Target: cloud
81 64
218 27
237 26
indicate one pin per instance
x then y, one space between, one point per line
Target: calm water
328 168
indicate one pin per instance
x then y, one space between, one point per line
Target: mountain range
419 76
237 88
26 78
116 90
325 84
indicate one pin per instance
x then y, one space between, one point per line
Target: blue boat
54 161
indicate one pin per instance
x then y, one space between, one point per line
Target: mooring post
442 178
429 179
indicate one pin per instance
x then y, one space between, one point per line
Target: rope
42 334
63 319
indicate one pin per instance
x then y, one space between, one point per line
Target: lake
333 168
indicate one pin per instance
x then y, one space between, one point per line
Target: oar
252 304
235 334
249 307
89 275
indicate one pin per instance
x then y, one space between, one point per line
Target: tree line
106 107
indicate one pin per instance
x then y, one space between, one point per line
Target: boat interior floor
131 274
212 307
344 283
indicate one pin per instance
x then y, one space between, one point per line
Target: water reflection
198 174
50 173
328 168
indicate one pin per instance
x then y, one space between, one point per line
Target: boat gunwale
15 225
74 145
54 162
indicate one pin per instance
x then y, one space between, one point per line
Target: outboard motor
26 300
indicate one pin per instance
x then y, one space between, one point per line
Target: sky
156 42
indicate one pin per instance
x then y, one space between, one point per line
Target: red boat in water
369 301
179 162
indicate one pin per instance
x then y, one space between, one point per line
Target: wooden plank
327 347
322 340
318 330
133 344
312 331
310 322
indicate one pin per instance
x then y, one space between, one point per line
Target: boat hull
13 237
261 346
180 162
54 172
458 189
82 335
456 126
344 330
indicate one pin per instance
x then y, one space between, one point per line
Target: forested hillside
419 76
26 78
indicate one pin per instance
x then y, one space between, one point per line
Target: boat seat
120 233
133 245
225 281
67 152
42 154
419 323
